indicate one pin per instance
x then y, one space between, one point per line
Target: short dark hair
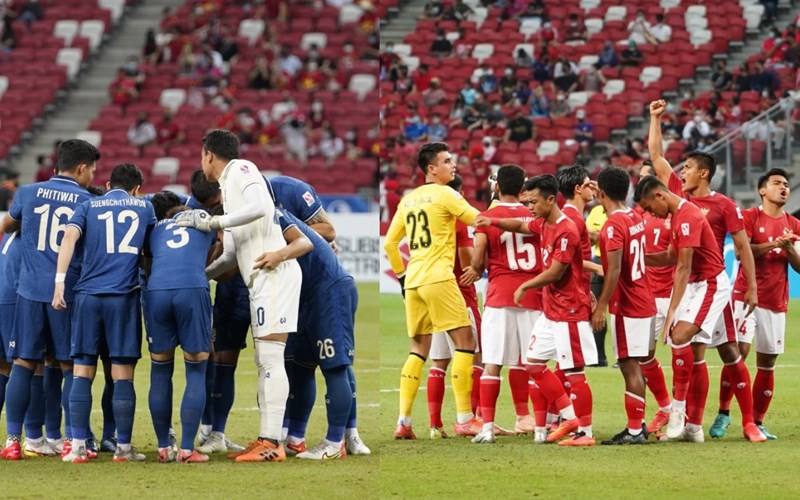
163 202
428 152
647 163
762 181
96 190
510 178
126 176
646 186
203 189
223 143
614 182
705 161
570 178
74 152
545 183
456 183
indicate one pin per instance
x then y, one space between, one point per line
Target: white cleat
324 451
540 436
693 437
37 448
231 446
77 456
354 445
677 422
130 455
202 437
214 443
486 436
57 445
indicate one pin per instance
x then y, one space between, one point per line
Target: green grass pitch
516 468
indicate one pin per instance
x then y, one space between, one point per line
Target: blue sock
109 425
288 365
352 420
18 395
338 401
302 393
80 399
52 401
211 371
160 399
34 417
3 382
65 394
124 403
222 400
193 401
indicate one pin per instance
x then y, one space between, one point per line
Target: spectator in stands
388 60
122 90
8 187
441 46
547 33
764 130
542 69
508 84
495 112
523 59
434 95
522 93
457 112
487 81
246 127
437 131
422 78
293 130
289 63
743 81
313 54
225 45
660 32
187 60
638 28
540 104
403 84
698 129
7 38
416 130
535 10
168 131
468 93
560 66
44 168
393 197
607 56
223 95
152 51
311 78
560 107
142 133
458 11
30 12
134 72
568 81
632 56
770 12
463 47
773 47
404 152
489 150
763 79
330 146
316 115
584 135
476 113
519 129
261 76
433 10
722 79
592 80
791 57
513 9
576 30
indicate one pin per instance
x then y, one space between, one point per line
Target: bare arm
550 275
297 245
473 269
321 223
761 249
391 244
679 282
661 259
226 261
509 224
592 267
614 260
65 253
742 245
655 144
8 224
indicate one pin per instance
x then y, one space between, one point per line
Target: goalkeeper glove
198 219
402 280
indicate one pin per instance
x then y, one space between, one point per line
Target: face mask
389 50
509 72
349 48
687 95
317 106
560 97
497 108
351 136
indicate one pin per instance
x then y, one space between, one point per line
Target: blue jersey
179 256
114 227
44 209
295 196
10 261
187 200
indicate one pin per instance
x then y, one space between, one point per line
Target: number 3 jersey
44 209
179 256
512 258
426 217
624 231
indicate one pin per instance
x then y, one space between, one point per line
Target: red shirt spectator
168 131
422 78
123 89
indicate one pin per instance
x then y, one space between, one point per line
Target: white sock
331 443
463 418
273 387
123 448
587 430
205 429
77 443
219 434
294 440
693 428
666 409
634 432
540 429
488 426
351 433
679 405
552 418
406 421
568 413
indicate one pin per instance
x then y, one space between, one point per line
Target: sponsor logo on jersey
685 228
610 232
761 230
309 198
244 168
564 243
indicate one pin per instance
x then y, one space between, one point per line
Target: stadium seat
530 27
402 49
412 62
67 29
700 37
166 166
578 99
71 58
547 148
115 6
93 137
586 62
589 4
695 23
3 85
594 25
172 98
669 4
616 13
752 14
252 29
650 74
528 47
349 14
320 39
613 87
362 84
93 29
482 51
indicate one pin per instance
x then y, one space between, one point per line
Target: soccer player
44 208
627 296
10 261
300 199
178 312
274 293
512 260
772 234
434 303
724 217
106 311
563 331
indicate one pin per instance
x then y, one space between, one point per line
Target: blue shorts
229 334
113 320
6 327
325 329
40 329
178 317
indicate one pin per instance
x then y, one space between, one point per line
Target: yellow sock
461 378
409 383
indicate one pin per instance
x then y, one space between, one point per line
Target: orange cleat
252 444
753 434
579 439
525 425
660 419
404 432
13 451
471 428
295 449
264 451
562 430
195 457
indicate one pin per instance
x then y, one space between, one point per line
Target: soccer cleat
231 446
766 433
486 436
214 443
404 432
92 448
753 434
579 439
501 431
676 424
693 437
660 419
12 451
471 428
250 446
108 445
193 457
720 426
57 445
167 455
76 456
324 451
264 451
539 437
202 437
131 455
293 449
525 425
438 433
66 447
354 445
626 437
562 430
38 448
173 438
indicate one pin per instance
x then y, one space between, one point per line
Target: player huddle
664 278
79 271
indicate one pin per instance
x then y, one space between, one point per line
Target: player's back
179 256
690 225
657 239
114 228
45 208
232 299
10 262
295 196
568 298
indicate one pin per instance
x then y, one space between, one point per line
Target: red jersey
576 217
513 259
568 298
690 229
772 275
464 239
624 230
657 239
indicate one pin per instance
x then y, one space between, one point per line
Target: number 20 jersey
512 258
44 209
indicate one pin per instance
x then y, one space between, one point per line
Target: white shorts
442 346
768 328
703 304
662 307
725 331
632 336
506 334
275 299
569 343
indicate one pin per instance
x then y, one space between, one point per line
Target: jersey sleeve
535 227
78 218
565 244
284 220
395 234
689 233
749 220
795 224
614 235
733 217
15 210
459 207
309 201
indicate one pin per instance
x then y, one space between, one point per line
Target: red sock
559 373
435 396
740 382
490 389
475 395
682 359
581 398
763 388
698 393
549 386
634 408
654 376
725 388
539 404
518 380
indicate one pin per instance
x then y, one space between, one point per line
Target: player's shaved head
75 152
427 154
163 202
545 183
203 190
704 161
456 183
126 176
614 182
510 179
222 143
571 178
646 187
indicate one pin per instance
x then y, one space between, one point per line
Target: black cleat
626 437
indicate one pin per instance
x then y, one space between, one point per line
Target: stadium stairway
91 91
403 24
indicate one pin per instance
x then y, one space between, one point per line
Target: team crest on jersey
685 228
610 232
309 198
761 230
244 168
705 211
564 243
